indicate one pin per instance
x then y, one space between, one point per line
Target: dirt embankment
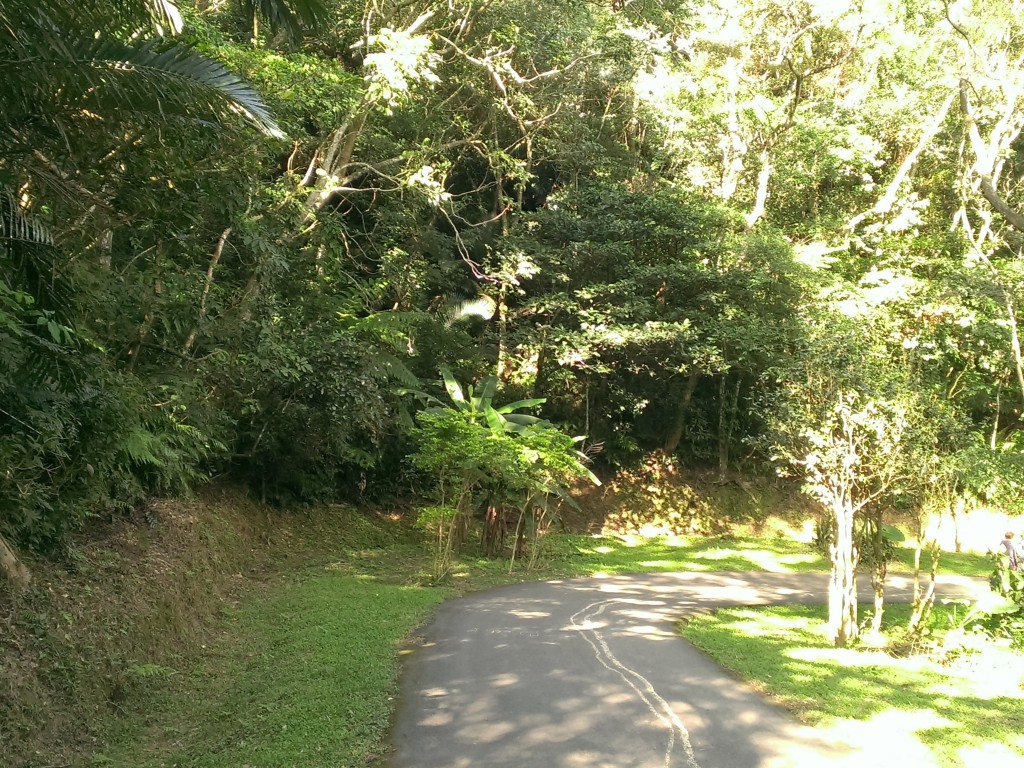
127 599
660 498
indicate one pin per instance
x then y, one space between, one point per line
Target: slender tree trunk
924 599
147 325
956 511
923 602
726 423
878 572
540 380
104 247
886 202
1018 362
15 571
842 588
214 260
878 584
761 197
675 433
723 418
502 313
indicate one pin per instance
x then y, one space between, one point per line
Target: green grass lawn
585 555
969 704
578 555
302 677
962 563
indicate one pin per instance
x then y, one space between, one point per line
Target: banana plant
510 469
478 404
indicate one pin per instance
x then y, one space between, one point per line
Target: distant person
1012 551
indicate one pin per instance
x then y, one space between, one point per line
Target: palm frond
165 12
57 68
288 16
455 309
17 224
126 19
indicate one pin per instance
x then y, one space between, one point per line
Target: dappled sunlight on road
591 672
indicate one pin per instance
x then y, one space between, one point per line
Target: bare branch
888 199
985 164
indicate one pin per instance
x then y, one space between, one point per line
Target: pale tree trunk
878 572
214 260
886 202
842 587
761 196
15 571
1018 361
924 599
734 148
878 584
955 513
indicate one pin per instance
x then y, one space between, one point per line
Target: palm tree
75 67
81 78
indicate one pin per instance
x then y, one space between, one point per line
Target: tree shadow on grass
781 650
612 554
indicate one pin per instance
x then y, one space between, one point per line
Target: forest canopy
753 235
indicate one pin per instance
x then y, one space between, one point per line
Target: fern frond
395 369
391 328
455 309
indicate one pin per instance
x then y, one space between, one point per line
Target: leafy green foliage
512 469
643 294
684 229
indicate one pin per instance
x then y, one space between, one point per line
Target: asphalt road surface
589 673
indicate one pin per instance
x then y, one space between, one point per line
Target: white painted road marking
660 708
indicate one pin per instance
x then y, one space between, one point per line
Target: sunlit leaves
399 60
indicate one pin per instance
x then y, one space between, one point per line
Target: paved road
590 673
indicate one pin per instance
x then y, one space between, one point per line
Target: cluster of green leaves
510 469
650 303
1002 617
91 84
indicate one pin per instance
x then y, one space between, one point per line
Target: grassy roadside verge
302 677
301 671
966 706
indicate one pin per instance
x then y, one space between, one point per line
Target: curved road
590 673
